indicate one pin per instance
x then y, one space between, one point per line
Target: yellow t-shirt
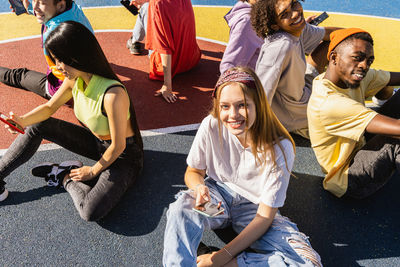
337 119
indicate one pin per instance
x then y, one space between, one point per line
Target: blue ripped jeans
281 245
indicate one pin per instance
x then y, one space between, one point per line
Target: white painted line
168 130
211 40
144 133
107 30
44 147
19 39
389 261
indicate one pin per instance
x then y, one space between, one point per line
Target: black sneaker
56 176
135 48
3 193
53 173
43 169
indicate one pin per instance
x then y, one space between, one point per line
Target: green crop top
88 103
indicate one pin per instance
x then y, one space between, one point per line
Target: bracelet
227 252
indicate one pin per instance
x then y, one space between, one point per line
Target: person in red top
171 35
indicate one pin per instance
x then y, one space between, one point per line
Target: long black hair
73 44
76 46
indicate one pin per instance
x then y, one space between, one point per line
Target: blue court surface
39 225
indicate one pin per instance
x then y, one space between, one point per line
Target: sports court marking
144 133
175 129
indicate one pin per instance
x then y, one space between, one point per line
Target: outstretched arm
384 125
166 89
44 111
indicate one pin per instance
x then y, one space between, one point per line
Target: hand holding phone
17 6
319 19
133 9
12 124
209 209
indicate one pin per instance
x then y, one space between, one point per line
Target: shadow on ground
40 226
142 207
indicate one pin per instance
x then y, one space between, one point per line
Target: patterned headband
235 76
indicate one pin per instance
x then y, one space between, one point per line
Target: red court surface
194 87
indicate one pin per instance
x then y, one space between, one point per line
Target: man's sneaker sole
135 52
4 195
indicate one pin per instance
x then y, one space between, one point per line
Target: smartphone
319 19
11 123
17 6
133 9
211 210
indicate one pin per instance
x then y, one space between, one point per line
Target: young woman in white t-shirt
246 155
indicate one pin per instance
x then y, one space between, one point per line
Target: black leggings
25 79
93 199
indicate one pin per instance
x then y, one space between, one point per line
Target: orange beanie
339 35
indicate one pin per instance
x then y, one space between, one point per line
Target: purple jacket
244 45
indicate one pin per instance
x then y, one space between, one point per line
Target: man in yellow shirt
338 118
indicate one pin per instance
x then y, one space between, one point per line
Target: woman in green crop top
101 103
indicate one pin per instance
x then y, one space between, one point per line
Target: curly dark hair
263 16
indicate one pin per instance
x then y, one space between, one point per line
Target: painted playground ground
39 225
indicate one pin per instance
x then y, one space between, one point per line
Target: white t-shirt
227 161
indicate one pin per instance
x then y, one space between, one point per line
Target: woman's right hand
16 119
202 196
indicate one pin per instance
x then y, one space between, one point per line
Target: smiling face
289 17
232 112
47 9
352 61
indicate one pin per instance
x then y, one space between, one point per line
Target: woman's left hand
205 260
81 174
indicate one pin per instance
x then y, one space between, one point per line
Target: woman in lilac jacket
244 45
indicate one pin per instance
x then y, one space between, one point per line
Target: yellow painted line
210 24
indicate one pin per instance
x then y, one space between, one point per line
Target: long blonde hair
266 130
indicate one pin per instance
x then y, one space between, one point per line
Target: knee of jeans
179 210
302 247
91 212
91 215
